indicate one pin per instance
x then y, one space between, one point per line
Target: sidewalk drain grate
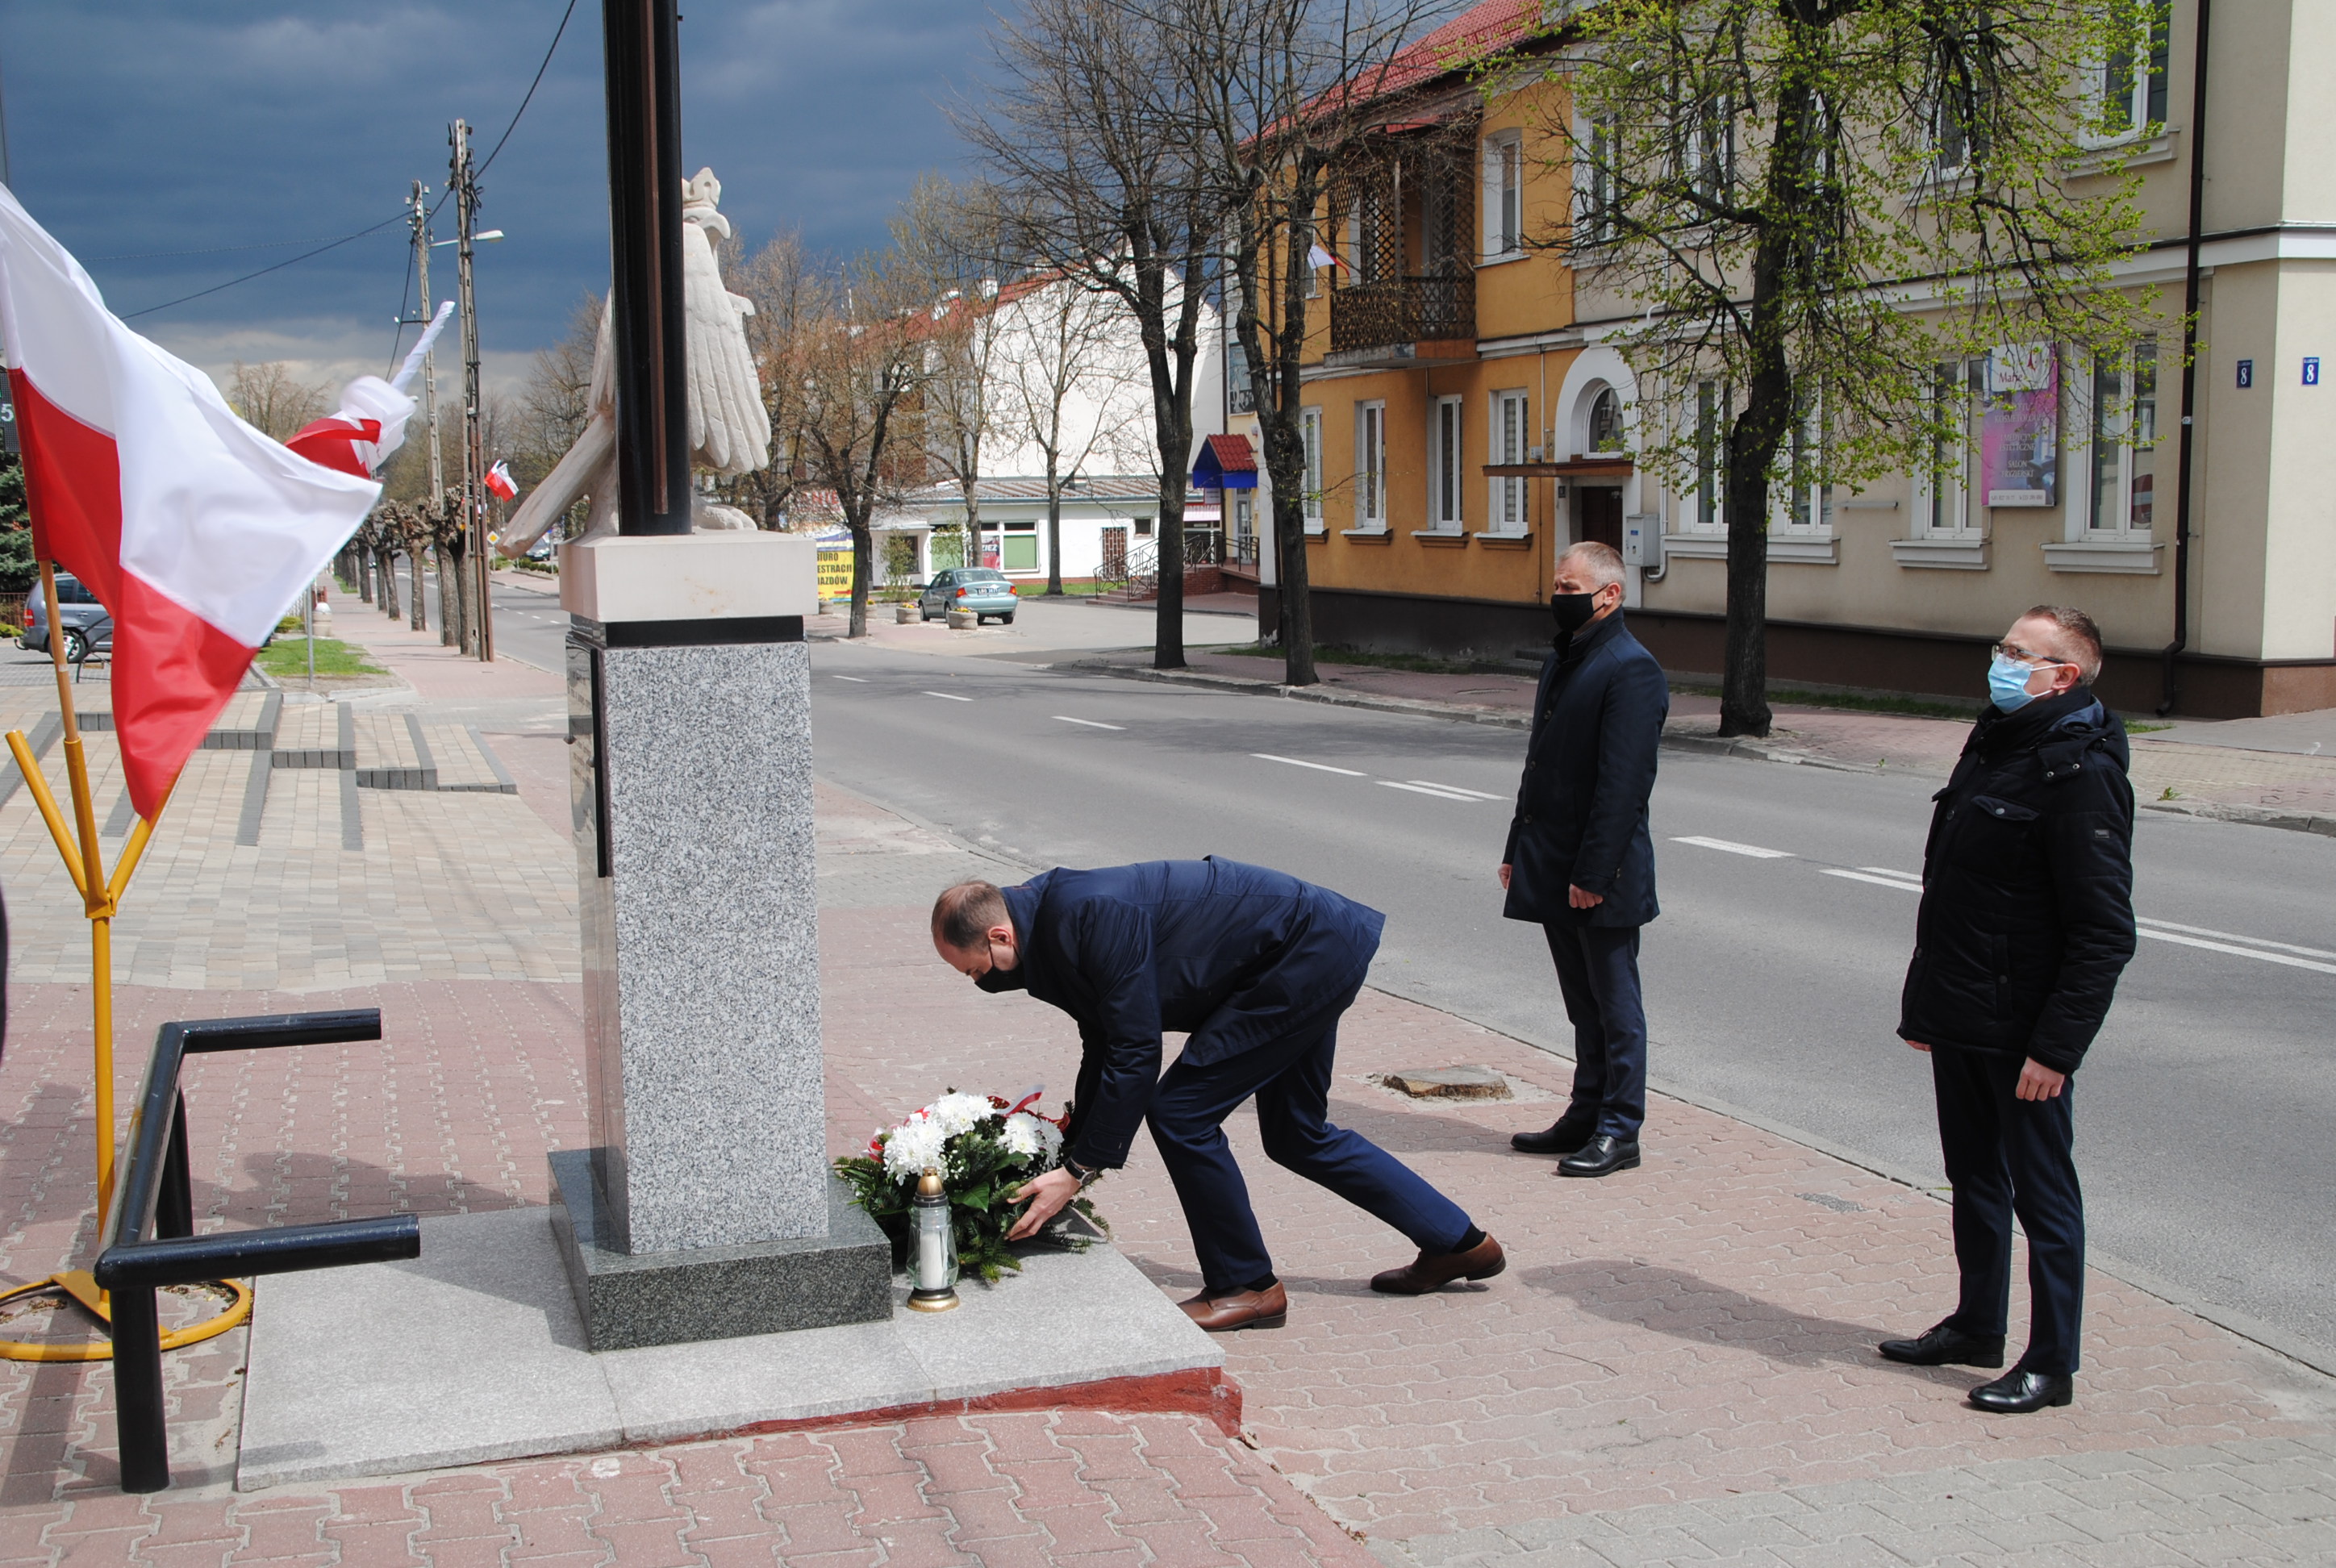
1828 1200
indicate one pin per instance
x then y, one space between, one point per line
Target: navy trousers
1598 973
1292 1080
2005 1156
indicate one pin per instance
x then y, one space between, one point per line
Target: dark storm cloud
138 129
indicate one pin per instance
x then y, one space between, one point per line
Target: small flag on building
1318 257
499 483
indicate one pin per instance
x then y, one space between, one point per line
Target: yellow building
1466 418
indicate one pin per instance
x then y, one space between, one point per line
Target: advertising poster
2019 427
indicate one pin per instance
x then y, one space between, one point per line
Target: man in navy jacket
1580 861
1256 968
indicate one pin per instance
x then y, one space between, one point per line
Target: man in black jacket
1580 861
2026 924
1256 966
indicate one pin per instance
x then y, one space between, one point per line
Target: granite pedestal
705 1208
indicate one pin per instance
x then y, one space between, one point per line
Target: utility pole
466 212
421 616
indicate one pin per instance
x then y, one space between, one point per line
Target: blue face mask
2007 683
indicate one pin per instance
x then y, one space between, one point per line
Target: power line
557 35
264 271
213 250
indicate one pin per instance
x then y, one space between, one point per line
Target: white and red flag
194 530
500 481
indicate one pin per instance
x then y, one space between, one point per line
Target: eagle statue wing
729 429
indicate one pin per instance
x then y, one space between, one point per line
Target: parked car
983 590
88 627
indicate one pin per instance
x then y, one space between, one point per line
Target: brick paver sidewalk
1677 1367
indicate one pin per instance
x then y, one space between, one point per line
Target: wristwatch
1079 1173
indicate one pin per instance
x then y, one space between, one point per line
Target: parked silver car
983 590
88 627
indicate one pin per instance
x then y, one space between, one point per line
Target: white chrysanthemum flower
961 1113
1025 1134
914 1147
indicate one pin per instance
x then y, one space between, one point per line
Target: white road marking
1755 850
1442 794
1455 789
1090 723
949 697
1914 877
2234 937
854 680
2242 952
1317 766
1885 880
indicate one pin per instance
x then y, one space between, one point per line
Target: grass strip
287 658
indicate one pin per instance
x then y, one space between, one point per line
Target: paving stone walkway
1677 1367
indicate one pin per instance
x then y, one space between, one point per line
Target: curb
1701 744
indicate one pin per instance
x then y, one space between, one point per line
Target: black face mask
997 980
1571 612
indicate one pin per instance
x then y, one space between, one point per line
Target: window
1240 392
2124 421
1707 150
1803 504
1604 431
1370 467
2132 81
1593 183
1711 421
1512 424
1943 495
1309 427
1019 551
1505 189
1443 465
1958 130
1144 528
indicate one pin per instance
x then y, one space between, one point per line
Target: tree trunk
454 565
449 624
389 584
367 559
1053 530
421 620
1168 613
861 545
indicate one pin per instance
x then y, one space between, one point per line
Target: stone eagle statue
729 429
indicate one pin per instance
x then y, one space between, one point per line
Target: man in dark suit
2026 924
1256 966
1580 862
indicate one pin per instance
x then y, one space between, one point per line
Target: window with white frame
1370 467
1593 182
1444 457
1602 433
1943 490
1309 427
2121 499
1802 503
1511 424
2132 82
1710 446
1504 195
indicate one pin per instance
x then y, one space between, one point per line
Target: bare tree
1065 384
271 399
948 236
787 296
554 404
1295 95
1094 143
864 362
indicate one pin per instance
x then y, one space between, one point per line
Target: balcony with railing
1402 319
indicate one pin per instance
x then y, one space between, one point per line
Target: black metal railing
1422 309
153 1192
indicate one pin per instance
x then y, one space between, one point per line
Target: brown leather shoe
1266 1309
1432 1271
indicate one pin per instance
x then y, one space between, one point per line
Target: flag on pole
194 530
499 483
1318 257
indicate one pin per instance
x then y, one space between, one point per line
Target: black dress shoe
2019 1391
1565 1137
1944 1347
1601 1156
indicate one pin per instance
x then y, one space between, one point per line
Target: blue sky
138 128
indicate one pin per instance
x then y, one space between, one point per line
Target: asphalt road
1773 976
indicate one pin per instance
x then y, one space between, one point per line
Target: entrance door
1114 555
1598 514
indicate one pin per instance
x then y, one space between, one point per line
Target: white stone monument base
475 1352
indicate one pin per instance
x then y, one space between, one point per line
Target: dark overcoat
1582 809
1236 956
2027 916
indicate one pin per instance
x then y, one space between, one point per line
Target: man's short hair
1604 560
963 914
2079 637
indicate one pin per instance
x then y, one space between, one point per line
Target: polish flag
500 481
194 530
